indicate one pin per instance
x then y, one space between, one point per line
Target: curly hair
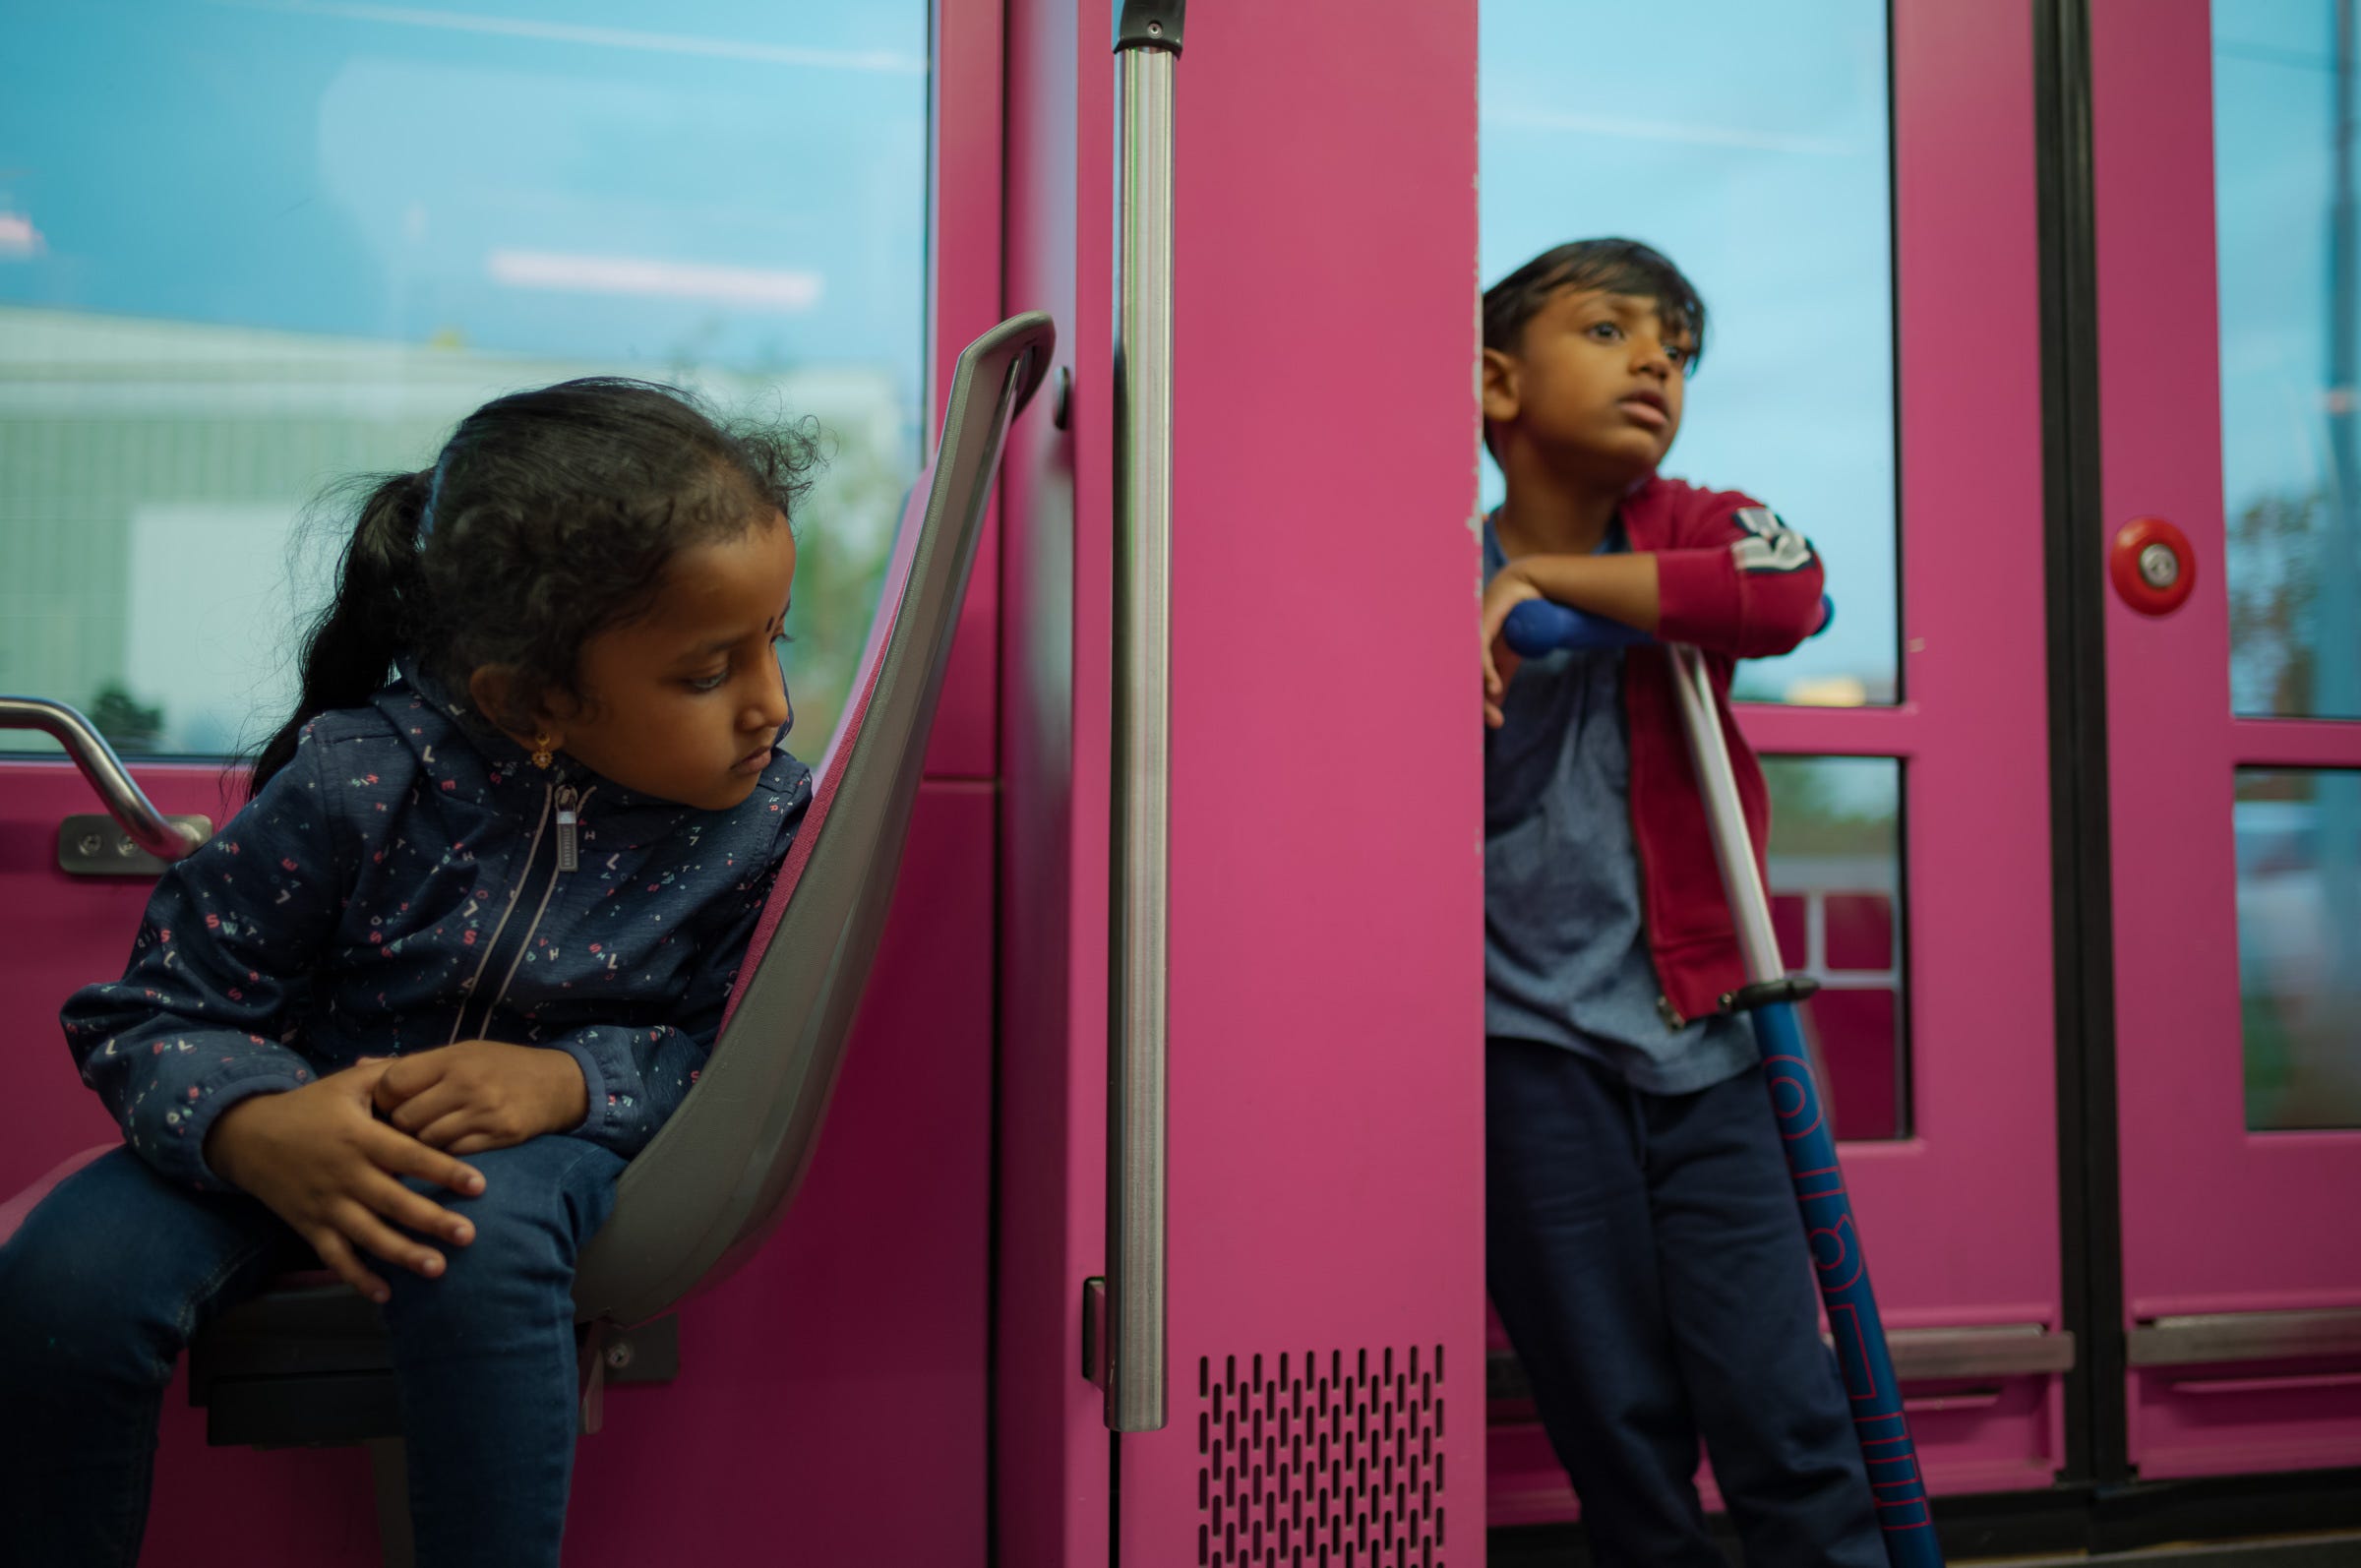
549 516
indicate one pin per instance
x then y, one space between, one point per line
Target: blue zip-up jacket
396 887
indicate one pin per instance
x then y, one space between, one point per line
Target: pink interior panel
1325 920
1860 930
1977 1179
1856 1031
1959 1220
82 931
2222 1421
1970 1437
2216 1218
1789 922
2176 1020
838 1359
1050 1450
965 288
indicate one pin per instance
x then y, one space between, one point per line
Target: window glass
1837 906
2299 945
1751 145
248 248
2284 245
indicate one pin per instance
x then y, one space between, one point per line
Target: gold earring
541 755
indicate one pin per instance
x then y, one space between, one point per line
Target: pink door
219 289
1323 1326
1873 371
2224 226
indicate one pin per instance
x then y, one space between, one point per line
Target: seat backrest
713 1183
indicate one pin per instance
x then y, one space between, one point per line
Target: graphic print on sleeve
1770 545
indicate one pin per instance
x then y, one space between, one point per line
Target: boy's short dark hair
1618 266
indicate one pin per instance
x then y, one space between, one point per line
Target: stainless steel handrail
149 827
1920 1354
2201 1339
1147 43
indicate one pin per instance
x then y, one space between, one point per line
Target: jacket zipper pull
569 853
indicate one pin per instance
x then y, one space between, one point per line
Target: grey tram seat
306 1362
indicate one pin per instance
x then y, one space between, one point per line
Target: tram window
1837 906
2291 477
247 249
2298 833
1753 149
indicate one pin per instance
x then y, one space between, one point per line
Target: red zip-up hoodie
1737 583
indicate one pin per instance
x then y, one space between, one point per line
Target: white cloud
19 239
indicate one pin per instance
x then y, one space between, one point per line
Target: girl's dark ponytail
554 516
350 648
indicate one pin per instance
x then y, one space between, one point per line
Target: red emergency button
2152 567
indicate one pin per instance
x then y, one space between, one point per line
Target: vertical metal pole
1147 44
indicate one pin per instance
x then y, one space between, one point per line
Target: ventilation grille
1317 1460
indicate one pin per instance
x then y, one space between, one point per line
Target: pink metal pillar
1325 1197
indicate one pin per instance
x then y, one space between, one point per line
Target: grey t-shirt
1565 945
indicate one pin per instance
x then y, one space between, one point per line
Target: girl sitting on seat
453 964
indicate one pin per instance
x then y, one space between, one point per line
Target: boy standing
1643 1248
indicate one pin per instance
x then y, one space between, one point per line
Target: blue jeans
112 1274
1647 1257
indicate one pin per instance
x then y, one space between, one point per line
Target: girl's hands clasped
320 1161
481 1094
320 1158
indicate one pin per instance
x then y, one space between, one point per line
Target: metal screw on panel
89 844
2160 566
125 847
619 1355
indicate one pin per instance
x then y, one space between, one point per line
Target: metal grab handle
1147 43
128 804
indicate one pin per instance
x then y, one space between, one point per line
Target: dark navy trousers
1647 1257
113 1273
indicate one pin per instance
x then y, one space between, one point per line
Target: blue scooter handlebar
1540 626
